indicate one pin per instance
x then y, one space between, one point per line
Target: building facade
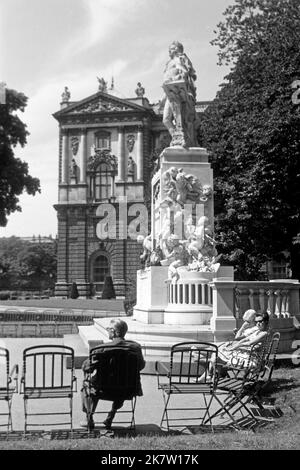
107 150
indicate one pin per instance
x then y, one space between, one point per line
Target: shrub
74 294
108 289
4 295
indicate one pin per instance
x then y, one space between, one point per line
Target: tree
108 288
252 129
26 265
14 176
74 294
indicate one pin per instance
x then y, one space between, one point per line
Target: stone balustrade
279 298
190 293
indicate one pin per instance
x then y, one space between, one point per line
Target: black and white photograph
149 228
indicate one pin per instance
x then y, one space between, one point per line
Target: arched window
100 269
103 139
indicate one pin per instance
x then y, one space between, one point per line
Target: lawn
282 433
90 304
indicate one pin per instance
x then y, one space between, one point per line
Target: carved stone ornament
100 105
74 145
130 140
102 156
180 188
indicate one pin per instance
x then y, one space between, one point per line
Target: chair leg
165 412
9 424
71 413
226 409
133 405
207 408
25 415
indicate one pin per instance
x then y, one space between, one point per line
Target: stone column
140 155
65 157
83 157
121 154
62 285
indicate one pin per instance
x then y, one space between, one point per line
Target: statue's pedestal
189 301
192 161
152 294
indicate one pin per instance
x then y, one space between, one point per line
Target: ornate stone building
107 147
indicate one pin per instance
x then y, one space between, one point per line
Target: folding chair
8 385
118 378
244 383
45 376
188 362
255 392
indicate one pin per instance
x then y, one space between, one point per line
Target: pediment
99 103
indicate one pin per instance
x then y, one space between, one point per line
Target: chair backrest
44 367
191 360
4 367
270 356
117 372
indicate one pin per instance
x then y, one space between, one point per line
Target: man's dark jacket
100 368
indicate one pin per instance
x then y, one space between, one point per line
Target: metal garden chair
117 378
45 376
188 362
244 384
256 391
8 385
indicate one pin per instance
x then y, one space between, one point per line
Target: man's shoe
107 423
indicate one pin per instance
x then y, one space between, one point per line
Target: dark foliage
253 132
14 175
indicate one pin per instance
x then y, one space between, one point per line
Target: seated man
91 392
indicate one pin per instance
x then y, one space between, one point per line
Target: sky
46 45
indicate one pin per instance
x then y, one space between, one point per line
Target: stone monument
179 291
183 293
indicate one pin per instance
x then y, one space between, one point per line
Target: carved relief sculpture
100 105
102 156
130 140
182 188
74 145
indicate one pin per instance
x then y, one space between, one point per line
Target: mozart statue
179 115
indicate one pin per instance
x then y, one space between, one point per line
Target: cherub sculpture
178 251
200 238
147 245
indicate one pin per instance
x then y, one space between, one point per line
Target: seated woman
245 330
247 326
238 352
